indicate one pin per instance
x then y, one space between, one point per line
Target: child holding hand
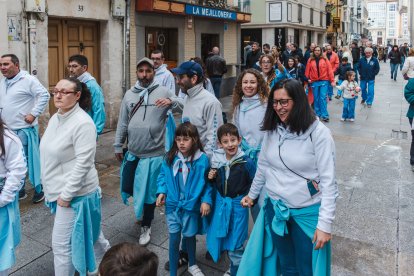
184 191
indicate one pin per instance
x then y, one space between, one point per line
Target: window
321 19
300 13
391 24
379 33
311 16
391 33
391 7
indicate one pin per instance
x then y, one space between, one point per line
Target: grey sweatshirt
203 110
146 130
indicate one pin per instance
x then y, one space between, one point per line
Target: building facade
279 22
185 29
45 34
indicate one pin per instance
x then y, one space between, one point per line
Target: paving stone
28 251
42 266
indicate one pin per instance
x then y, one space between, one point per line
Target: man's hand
333 84
160 200
163 102
212 174
63 203
321 238
29 118
247 202
119 157
205 209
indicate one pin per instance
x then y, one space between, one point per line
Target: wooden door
67 38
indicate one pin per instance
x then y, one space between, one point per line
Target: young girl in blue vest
12 172
183 189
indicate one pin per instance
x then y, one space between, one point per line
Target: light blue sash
260 256
9 233
86 229
170 131
33 158
251 152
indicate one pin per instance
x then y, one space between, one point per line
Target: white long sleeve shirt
20 96
12 167
408 67
67 156
312 155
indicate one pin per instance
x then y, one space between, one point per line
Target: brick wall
133 46
230 43
189 42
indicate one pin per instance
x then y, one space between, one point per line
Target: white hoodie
165 78
12 168
310 154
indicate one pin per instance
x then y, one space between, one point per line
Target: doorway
208 41
67 38
163 39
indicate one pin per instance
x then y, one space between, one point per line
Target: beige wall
189 41
91 9
230 43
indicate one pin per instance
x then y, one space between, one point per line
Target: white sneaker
351 120
195 270
342 119
227 273
145 236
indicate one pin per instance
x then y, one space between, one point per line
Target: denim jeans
348 111
295 251
339 92
174 253
412 143
235 259
394 70
216 83
356 68
368 97
402 62
330 91
319 97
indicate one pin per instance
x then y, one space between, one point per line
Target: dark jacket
239 181
298 73
368 71
342 69
356 55
216 66
252 58
306 57
395 57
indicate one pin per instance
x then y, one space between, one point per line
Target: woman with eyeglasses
249 105
271 74
70 181
297 169
12 175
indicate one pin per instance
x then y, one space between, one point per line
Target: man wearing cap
142 121
200 108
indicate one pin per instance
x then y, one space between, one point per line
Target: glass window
391 7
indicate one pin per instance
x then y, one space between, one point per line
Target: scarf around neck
249 103
85 77
219 160
144 91
183 161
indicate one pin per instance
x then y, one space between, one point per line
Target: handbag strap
140 102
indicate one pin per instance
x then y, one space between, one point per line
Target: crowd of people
276 158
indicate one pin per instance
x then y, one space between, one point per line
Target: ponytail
85 100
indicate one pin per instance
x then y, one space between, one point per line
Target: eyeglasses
282 102
63 93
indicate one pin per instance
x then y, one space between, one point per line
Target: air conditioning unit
35 5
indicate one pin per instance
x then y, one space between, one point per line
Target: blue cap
188 68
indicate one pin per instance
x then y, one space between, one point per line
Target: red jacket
334 60
325 70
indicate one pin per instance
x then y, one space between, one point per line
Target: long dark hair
85 100
189 130
2 147
301 116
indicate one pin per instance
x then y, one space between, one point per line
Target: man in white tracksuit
162 75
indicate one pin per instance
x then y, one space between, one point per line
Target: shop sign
209 12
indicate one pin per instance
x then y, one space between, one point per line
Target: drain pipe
126 56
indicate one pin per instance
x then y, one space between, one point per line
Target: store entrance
165 40
208 41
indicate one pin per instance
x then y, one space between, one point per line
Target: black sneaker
325 120
22 194
38 197
208 256
182 261
362 101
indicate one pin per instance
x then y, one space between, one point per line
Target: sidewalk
373 232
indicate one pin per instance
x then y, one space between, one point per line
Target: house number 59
80 8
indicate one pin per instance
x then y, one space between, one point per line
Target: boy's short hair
128 259
344 59
227 129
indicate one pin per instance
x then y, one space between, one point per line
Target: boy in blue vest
231 175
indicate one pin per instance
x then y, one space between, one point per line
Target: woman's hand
160 200
321 238
212 174
63 203
247 202
205 209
